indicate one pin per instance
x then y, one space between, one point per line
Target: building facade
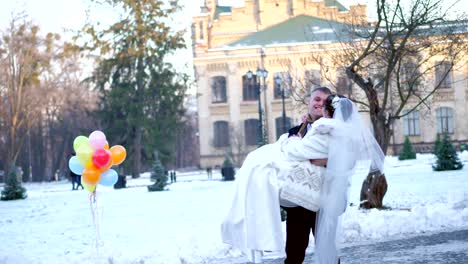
254 65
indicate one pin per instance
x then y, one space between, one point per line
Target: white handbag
301 185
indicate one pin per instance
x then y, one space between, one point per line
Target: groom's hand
319 162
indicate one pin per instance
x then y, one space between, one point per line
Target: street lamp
263 73
278 82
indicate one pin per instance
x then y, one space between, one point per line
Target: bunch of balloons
94 159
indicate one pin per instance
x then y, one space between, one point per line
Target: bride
281 174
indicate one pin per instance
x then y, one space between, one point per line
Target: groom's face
316 101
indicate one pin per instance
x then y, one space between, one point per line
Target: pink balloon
97 139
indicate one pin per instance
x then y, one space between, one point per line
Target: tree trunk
374 186
38 152
373 190
136 153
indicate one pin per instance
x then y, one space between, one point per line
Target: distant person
209 173
76 179
174 175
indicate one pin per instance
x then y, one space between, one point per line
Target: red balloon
101 158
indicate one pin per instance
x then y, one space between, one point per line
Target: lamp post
278 82
261 74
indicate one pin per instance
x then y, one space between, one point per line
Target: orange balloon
106 147
118 154
91 176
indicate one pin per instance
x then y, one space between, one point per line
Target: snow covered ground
182 225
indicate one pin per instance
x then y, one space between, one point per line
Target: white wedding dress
253 222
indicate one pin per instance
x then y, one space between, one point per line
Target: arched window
312 79
200 24
280 128
444 117
443 74
409 74
286 84
251 131
218 89
249 88
411 124
221 134
343 83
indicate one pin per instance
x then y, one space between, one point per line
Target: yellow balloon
84 155
90 187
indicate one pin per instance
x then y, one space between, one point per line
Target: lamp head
278 79
249 74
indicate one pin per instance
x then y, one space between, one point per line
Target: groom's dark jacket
295 130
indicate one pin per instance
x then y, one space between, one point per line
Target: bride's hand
319 162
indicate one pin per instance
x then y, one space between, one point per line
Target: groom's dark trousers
299 222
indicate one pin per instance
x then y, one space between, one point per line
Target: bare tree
187 143
43 103
392 62
20 63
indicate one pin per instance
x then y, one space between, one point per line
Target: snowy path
445 247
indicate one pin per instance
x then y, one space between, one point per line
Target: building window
409 76
251 131
286 84
343 84
444 117
221 134
411 124
443 74
280 129
218 89
312 79
249 91
200 25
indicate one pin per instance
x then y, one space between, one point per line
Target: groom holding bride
291 173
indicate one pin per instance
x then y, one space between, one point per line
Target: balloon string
94 213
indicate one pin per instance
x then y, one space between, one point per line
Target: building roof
341 7
221 9
299 29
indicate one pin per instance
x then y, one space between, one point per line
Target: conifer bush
13 189
158 176
227 169
407 153
447 158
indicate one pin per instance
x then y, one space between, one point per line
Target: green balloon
79 141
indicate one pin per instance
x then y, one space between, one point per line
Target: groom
300 221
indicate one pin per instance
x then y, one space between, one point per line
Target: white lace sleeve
312 146
322 126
